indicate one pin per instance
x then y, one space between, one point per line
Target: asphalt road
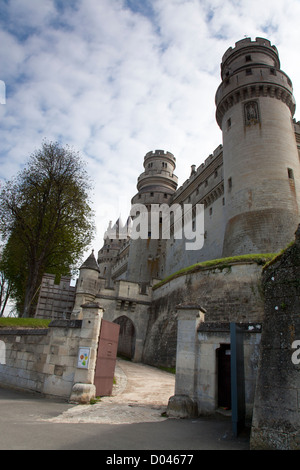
31 422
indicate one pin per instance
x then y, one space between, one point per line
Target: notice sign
83 358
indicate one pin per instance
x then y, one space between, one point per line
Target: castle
250 190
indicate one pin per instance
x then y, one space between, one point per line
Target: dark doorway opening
127 336
224 379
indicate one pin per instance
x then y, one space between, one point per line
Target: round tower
155 185
255 106
158 182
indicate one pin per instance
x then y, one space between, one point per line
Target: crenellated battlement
248 42
159 153
203 170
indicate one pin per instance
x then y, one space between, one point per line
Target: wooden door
106 358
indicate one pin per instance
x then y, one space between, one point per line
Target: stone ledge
65 324
23 331
225 326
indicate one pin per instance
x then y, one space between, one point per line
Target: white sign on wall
83 358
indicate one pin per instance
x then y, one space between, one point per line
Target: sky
115 79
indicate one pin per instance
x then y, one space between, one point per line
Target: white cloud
115 83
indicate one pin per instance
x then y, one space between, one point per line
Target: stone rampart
228 292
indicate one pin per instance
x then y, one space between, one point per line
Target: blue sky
115 79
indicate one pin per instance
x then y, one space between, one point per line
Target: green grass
171 370
278 256
221 263
8 322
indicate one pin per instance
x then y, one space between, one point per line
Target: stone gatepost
183 404
84 389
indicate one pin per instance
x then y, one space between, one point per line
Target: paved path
29 421
141 394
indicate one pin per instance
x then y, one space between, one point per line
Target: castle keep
250 189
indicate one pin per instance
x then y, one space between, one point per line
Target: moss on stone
221 263
8 322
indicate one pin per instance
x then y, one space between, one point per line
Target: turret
87 284
155 185
255 107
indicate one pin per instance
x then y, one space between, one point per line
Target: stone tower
155 185
87 286
255 107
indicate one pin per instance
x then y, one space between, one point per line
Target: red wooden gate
106 358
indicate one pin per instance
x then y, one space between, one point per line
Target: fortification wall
276 417
227 293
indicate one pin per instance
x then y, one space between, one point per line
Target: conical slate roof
90 263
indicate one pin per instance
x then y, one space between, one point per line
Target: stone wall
227 293
55 301
276 417
46 360
197 367
41 360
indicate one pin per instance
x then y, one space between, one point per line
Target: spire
90 263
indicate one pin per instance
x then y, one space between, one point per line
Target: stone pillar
183 404
84 389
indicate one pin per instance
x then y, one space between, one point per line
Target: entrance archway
127 337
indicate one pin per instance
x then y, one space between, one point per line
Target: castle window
248 71
206 183
228 123
210 211
291 173
248 58
229 183
151 194
272 71
165 195
216 173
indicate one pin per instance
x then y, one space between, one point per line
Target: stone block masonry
276 415
46 360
